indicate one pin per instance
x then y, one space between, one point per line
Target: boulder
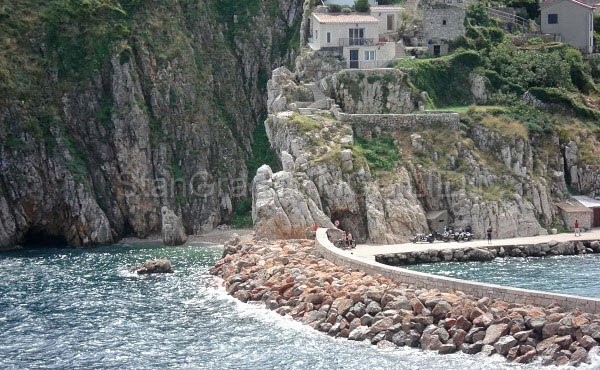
550 329
441 309
157 266
373 308
463 324
587 342
342 305
447 348
430 341
471 349
579 356
384 344
494 332
504 344
522 336
382 325
526 358
173 232
360 333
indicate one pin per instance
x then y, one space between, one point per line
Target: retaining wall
366 124
428 281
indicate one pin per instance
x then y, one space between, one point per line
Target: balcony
357 42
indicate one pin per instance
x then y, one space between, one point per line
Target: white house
355 35
570 21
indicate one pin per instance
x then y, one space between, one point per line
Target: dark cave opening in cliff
567 172
39 238
352 223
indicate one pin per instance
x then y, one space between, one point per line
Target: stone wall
428 281
366 124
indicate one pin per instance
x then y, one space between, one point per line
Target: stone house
389 20
442 24
355 37
591 204
570 21
572 210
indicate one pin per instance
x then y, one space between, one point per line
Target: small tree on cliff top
361 6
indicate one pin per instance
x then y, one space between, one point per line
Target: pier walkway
368 251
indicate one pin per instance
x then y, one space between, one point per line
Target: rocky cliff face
371 91
380 177
91 152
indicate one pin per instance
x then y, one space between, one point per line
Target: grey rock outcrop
285 204
372 91
173 232
157 266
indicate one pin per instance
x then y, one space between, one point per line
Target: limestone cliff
110 110
380 174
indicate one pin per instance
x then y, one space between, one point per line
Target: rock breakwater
552 248
292 279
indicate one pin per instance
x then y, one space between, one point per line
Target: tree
361 6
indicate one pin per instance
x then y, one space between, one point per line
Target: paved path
369 251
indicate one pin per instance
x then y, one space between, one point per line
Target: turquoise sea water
576 275
75 309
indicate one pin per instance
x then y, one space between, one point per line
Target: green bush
82 32
446 79
262 153
562 97
334 8
242 214
381 152
361 6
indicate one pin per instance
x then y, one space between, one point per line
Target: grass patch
380 153
305 124
262 153
505 127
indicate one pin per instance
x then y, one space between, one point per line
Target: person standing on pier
577 231
489 234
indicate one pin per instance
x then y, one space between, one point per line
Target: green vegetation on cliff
380 152
552 72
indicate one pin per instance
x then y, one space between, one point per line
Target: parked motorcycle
463 235
444 236
423 238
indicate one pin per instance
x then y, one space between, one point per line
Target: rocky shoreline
552 248
292 279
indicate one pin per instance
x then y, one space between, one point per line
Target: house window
444 22
316 35
329 37
552 18
356 36
390 22
369 54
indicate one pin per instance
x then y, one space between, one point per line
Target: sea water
84 309
577 275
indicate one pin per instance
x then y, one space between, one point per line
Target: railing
519 22
358 41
